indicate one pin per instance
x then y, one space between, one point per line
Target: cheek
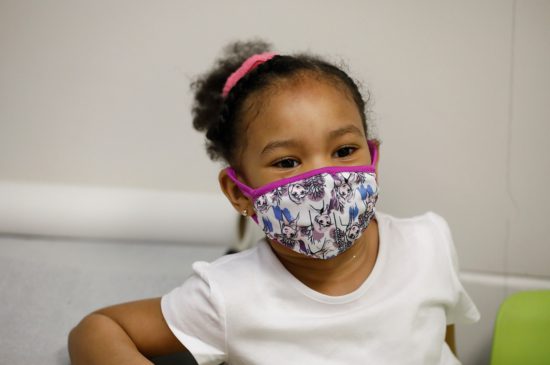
255 171
253 175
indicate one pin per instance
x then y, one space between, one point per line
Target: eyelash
279 163
352 148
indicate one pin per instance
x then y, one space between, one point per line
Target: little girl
334 281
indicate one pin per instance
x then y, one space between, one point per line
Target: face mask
320 213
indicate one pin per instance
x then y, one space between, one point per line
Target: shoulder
427 216
418 235
210 282
422 247
427 223
233 266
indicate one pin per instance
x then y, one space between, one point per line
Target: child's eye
344 151
286 163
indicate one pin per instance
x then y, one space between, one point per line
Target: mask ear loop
373 149
245 189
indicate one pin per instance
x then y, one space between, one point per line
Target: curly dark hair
221 118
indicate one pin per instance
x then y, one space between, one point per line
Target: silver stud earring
244 212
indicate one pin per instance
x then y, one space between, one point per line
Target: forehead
305 106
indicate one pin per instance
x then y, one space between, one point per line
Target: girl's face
308 125
311 124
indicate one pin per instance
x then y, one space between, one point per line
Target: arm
450 338
122 334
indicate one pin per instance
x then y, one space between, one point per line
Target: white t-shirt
246 308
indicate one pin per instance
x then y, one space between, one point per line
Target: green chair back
522 330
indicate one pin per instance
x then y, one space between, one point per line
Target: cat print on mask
322 218
344 188
261 204
323 249
343 192
353 231
290 229
297 193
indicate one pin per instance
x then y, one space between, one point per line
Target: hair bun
208 103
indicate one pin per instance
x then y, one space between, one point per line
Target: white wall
96 94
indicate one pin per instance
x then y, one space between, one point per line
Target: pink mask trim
248 65
254 193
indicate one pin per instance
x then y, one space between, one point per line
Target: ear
235 196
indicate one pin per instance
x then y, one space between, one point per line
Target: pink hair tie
251 63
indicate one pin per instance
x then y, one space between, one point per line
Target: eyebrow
345 130
287 143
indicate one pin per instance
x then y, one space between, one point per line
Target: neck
339 275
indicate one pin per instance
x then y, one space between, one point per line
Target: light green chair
522 330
